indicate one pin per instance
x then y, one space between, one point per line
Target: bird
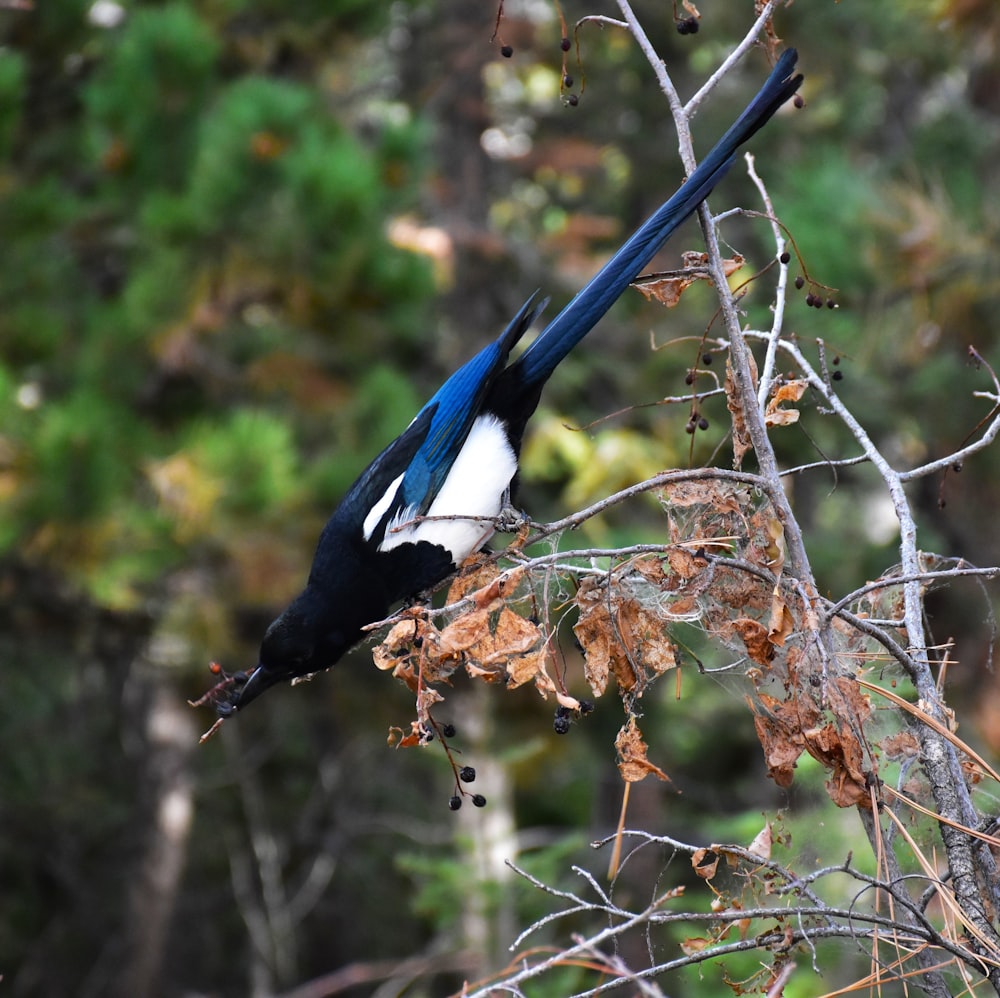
432 497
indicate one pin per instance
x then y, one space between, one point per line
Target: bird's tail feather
589 305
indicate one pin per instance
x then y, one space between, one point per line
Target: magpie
432 497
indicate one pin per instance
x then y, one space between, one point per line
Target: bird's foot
510 519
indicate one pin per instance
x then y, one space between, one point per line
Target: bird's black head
311 635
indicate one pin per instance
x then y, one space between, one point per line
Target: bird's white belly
473 490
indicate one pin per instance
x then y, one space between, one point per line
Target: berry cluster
813 299
566 715
464 774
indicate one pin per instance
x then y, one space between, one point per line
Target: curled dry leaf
695 944
761 845
667 290
495 644
790 391
780 726
667 287
620 637
398 643
490 640
775 550
901 745
705 863
755 637
782 623
741 435
788 728
633 763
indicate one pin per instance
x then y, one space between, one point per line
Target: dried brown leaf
755 637
790 391
781 623
665 290
651 569
761 845
788 728
695 944
397 644
633 763
478 572
901 745
741 435
775 549
685 564
780 725
621 638
705 863
667 287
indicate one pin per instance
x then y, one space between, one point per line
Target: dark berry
957 467
507 51
560 725
586 706
455 802
448 730
572 100
564 45
831 303
563 711
838 375
800 282
689 379
479 800
785 257
466 774
809 299
567 80
836 361
799 101
689 426
703 423
688 26
706 359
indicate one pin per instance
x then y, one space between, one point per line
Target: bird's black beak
247 686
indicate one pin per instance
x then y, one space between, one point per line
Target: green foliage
12 73
252 456
146 97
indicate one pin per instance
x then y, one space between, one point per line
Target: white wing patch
474 488
378 510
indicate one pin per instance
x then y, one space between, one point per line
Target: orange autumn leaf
790 391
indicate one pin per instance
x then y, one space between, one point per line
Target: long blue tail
563 333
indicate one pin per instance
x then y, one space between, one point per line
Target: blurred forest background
242 241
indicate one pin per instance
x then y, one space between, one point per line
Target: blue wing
455 406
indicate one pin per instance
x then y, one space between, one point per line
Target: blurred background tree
242 243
